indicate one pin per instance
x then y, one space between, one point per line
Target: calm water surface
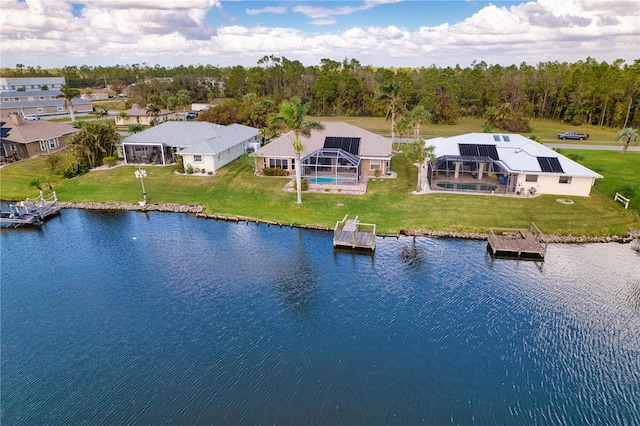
133 318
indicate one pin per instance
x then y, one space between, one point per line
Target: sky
381 33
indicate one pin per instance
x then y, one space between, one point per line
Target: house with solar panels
505 164
341 154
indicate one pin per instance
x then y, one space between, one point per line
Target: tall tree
93 142
421 155
292 119
417 116
629 135
391 94
69 94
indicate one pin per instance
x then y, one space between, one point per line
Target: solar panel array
350 145
4 131
473 150
550 164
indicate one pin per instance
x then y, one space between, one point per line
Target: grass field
236 191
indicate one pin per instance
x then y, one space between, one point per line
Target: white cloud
277 10
109 32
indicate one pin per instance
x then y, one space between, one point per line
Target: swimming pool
325 179
468 186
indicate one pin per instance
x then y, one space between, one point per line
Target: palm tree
69 94
153 111
183 100
419 115
631 136
421 155
103 113
391 94
122 115
291 119
402 127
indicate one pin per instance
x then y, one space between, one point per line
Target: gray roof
517 153
35 94
371 144
194 137
33 131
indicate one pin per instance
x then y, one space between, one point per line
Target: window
197 158
6 99
60 108
52 98
496 138
42 98
16 99
39 109
531 178
374 164
506 138
565 179
53 143
43 146
278 163
31 99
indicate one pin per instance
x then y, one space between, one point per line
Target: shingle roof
371 144
517 153
33 131
194 137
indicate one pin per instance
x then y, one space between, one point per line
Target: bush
75 169
303 183
274 171
190 169
179 164
109 161
53 162
628 190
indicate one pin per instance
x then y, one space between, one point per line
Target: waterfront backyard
236 191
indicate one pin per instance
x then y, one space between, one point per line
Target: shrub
303 183
209 172
179 164
628 190
109 161
190 169
377 172
75 169
274 171
53 161
203 171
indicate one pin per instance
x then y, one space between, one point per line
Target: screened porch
332 166
476 174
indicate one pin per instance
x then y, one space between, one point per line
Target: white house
505 164
203 146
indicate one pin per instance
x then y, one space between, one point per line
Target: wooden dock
354 235
518 243
30 212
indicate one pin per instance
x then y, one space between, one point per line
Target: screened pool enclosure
331 166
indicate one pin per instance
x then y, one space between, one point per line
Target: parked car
191 115
31 117
573 136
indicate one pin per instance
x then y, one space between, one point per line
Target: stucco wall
549 184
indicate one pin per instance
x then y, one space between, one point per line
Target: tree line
583 92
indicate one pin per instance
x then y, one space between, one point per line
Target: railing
624 200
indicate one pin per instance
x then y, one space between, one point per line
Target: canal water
155 318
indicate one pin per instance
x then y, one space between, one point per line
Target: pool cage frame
341 167
457 169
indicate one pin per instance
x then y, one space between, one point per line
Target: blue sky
407 14
57 33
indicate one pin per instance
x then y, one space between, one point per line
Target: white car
31 117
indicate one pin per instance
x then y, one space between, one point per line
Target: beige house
138 115
508 164
339 154
25 139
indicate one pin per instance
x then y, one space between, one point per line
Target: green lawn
236 191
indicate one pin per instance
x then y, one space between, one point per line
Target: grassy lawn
236 191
